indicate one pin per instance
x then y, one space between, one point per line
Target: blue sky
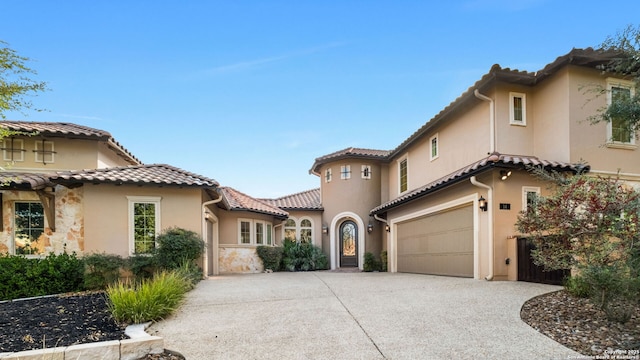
251 92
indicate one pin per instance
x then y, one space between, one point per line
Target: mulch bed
581 326
49 322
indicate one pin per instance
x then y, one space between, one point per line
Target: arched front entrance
354 227
348 246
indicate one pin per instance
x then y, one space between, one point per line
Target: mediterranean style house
443 202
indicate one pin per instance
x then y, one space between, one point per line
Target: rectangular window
403 179
13 149
269 234
44 152
259 233
366 172
28 228
254 232
517 109
618 129
144 223
434 147
530 196
345 172
327 175
245 232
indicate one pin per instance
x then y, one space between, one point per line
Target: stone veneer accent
239 259
69 234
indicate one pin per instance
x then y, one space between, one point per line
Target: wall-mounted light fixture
370 228
325 229
482 204
504 174
387 228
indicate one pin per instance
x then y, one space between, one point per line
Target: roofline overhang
488 167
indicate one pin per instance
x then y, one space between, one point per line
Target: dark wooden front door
348 244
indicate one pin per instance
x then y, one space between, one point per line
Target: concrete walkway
334 315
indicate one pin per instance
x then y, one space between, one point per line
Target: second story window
434 147
618 128
345 172
327 175
517 109
403 178
13 149
44 152
366 172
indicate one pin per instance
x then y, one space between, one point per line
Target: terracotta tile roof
25 181
68 130
580 57
305 200
494 160
349 153
154 174
235 200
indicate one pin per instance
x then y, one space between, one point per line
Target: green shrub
176 245
370 263
101 270
150 300
302 257
271 256
383 261
27 277
142 266
613 290
577 286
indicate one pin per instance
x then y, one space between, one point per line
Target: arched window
290 230
306 231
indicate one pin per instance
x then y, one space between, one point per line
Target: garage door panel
439 244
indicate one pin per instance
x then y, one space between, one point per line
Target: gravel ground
580 325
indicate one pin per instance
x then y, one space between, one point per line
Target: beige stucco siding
352 198
588 142
470 131
514 139
107 214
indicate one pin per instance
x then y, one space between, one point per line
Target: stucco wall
107 219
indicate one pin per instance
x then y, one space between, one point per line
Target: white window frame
156 200
525 191
300 228
366 172
267 232
433 156
10 149
295 228
327 175
404 159
618 83
345 172
512 114
41 157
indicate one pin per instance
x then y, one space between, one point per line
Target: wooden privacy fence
530 272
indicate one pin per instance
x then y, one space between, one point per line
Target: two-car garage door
439 244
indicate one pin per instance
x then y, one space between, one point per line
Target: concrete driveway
338 315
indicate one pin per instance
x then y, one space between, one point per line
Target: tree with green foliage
624 108
15 83
590 224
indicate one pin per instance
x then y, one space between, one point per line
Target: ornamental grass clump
149 300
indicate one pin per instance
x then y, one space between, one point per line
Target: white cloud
249 64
